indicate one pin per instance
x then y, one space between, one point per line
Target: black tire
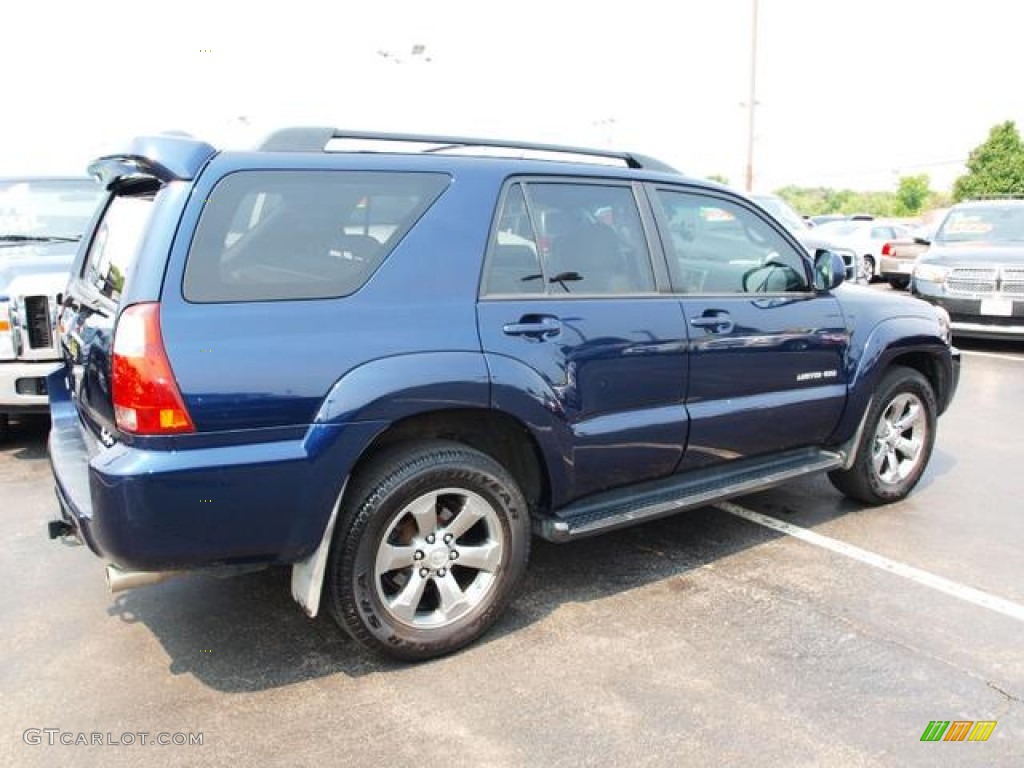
900 389
870 270
376 522
899 283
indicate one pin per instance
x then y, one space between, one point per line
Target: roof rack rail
316 138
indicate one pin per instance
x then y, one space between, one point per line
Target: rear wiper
38 239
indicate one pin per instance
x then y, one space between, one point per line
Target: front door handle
534 326
714 321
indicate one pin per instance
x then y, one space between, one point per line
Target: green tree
912 193
719 178
995 167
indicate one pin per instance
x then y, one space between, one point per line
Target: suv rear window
272 235
115 245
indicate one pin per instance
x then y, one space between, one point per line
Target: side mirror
829 270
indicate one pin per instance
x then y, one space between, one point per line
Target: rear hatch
119 270
90 309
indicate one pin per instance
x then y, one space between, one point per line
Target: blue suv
388 360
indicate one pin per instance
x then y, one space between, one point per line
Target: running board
635 504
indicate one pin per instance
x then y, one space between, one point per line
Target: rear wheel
869 268
433 542
897 441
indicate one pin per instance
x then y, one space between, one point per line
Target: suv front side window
717 246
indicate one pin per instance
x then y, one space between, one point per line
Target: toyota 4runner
385 360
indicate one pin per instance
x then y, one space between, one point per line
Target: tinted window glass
716 246
115 244
513 266
590 238
268 235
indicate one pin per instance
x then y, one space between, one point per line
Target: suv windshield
45 209
991 223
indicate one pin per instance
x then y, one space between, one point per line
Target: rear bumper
148 510
890 266
27 377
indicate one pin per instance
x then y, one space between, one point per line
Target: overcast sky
852 93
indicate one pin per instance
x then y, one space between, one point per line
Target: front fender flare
886 343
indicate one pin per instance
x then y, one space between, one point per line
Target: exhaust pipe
119 580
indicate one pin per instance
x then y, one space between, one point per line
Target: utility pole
752 100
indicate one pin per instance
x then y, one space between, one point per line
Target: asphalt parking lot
704 639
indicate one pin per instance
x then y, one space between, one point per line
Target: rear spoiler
165 157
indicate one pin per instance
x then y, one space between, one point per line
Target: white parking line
969 594
996 355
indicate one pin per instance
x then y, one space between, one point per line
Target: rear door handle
534 326
714 322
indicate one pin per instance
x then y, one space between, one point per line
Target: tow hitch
64 530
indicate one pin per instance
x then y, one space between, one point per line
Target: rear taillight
887 249
145 394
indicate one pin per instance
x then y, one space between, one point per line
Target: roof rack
316 138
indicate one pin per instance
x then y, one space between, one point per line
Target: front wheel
434 539
897 442
899 283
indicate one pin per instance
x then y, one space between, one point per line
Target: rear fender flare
519 390
393 388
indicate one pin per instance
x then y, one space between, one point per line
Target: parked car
41 221
825 218
974 269
812 239
899 256
866 238
897 259
386 369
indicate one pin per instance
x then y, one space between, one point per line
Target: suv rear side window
589 237
116 243
272 235
514 267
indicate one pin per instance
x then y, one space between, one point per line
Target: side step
627 506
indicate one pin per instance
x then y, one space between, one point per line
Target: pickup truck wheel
433 541
897 441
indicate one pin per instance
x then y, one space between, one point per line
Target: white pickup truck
41 222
